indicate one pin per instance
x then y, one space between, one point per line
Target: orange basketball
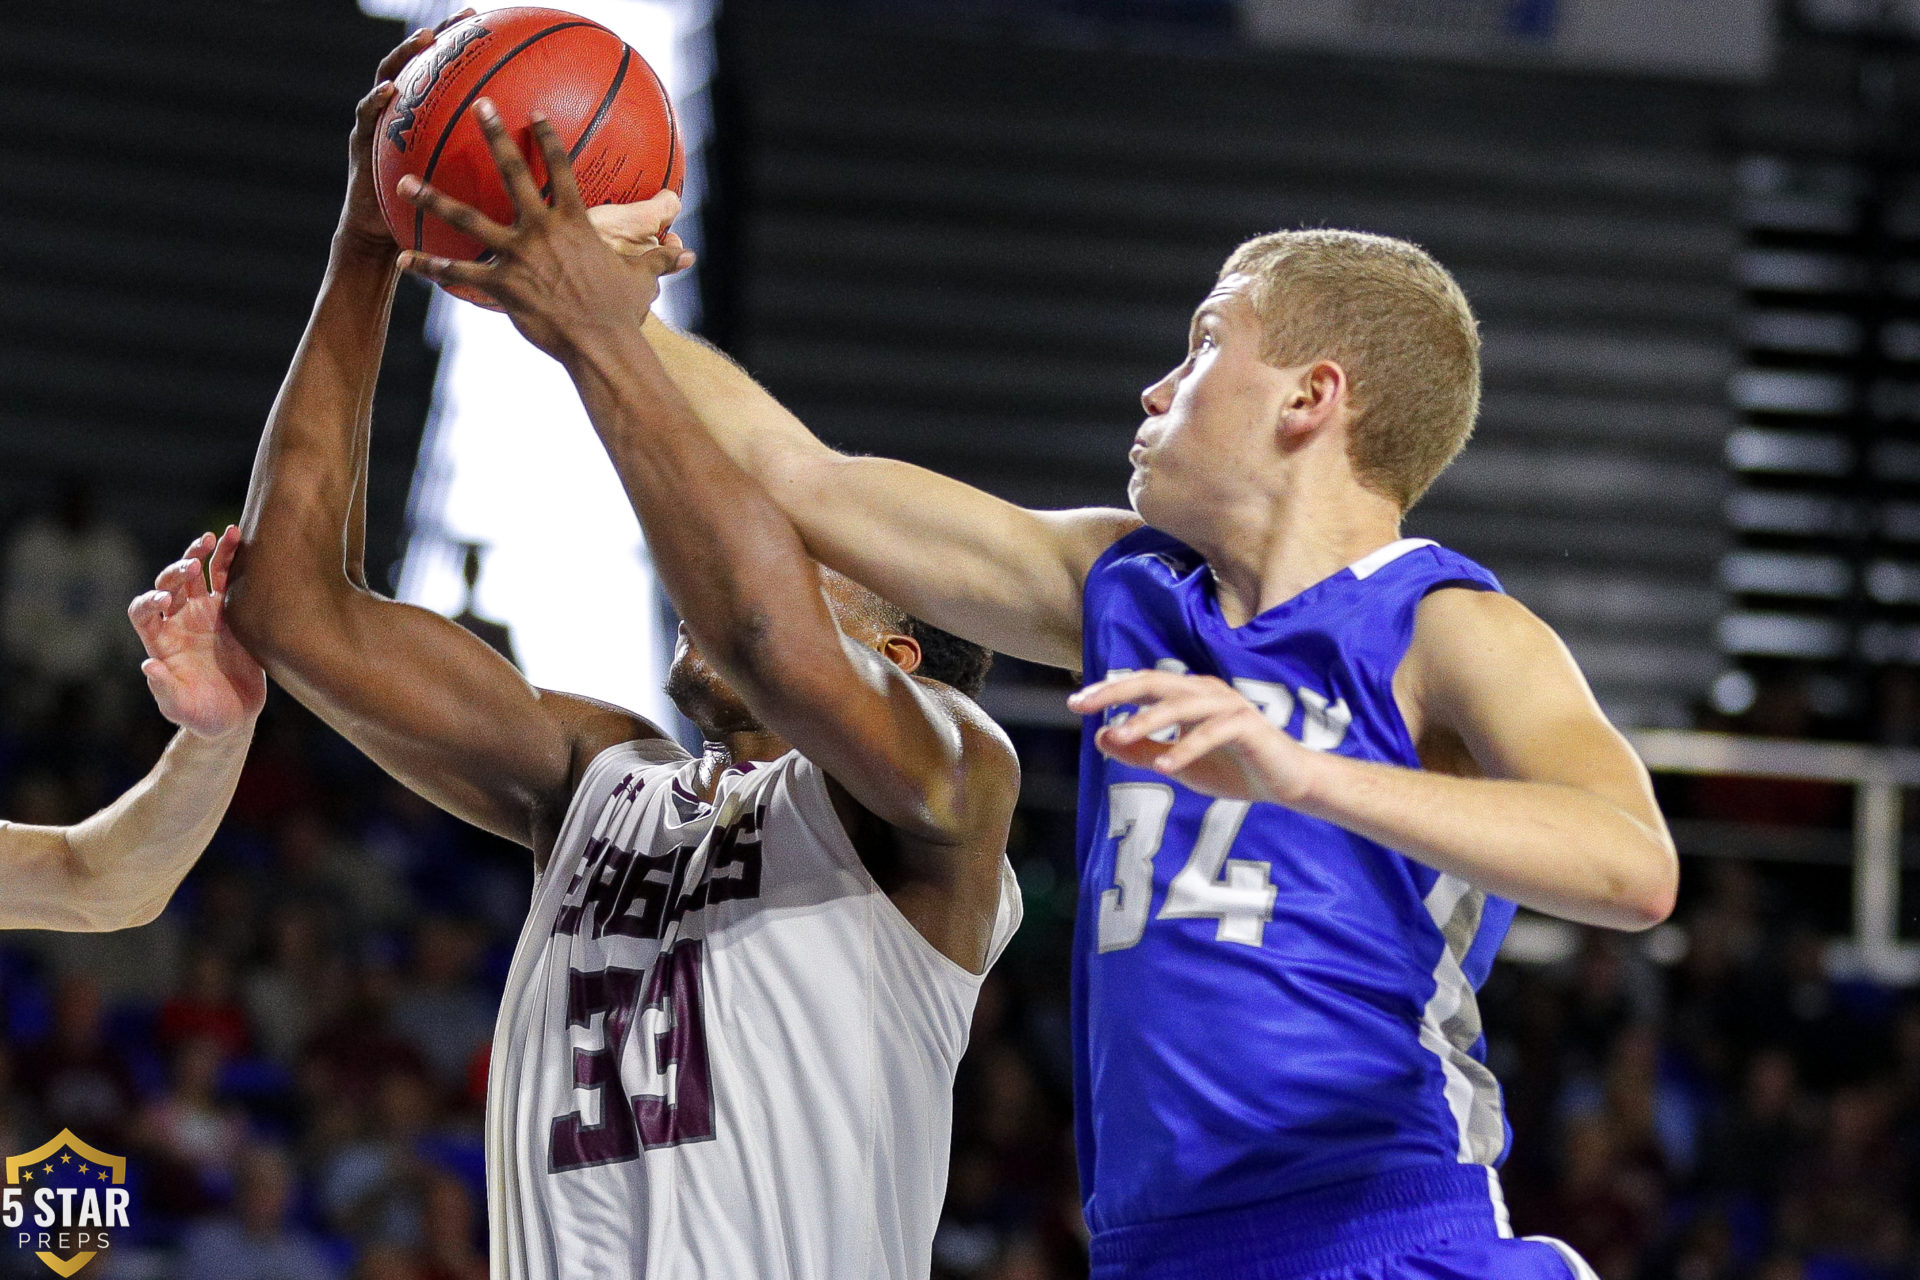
602 98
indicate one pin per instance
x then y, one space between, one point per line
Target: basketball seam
606 104
433 161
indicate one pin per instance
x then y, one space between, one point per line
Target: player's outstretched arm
995 573
120 867
1562 820
727 554
427 700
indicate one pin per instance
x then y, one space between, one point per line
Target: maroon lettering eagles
619 891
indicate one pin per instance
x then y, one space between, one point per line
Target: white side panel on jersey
1450 1024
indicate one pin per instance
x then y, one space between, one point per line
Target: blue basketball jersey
1266 1004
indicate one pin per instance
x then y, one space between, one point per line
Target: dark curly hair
959 664
947 658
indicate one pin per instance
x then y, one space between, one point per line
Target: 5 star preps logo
65 1202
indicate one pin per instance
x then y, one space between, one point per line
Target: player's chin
1151 497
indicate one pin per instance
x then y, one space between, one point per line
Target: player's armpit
1485 671
431 703
985 569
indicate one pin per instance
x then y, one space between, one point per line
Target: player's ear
901 651
1315 393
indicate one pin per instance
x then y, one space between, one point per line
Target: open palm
201 677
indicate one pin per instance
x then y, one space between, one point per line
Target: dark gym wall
970 245
172 173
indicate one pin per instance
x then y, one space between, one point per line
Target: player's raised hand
201 677
1221 745
361 225
551 270
635 230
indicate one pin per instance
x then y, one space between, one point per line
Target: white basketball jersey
723 1052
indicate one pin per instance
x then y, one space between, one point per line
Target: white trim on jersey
1502 1223
1575 1263
1368 565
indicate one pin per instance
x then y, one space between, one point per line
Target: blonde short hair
1399 325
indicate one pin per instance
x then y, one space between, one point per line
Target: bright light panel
510 461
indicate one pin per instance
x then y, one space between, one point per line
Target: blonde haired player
1322 762
730 1030
119 868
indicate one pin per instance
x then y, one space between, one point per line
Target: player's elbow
93 900
252 612
273 617
1646 896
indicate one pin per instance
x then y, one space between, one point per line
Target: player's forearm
120 867
1548 846
727 555
736 569
954 555
302 502
748 424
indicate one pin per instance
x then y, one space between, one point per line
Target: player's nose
1156 398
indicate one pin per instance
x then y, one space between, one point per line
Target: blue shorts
1445 1222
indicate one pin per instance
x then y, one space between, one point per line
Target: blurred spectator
299 984
1764 1135
255 1241
17 1119
204 1007
355 1051
63 617
450 1232
439 1009
388 1262
193 1136
1612 991
1601 1209
76 1080
374 1188
1843 1198
319 870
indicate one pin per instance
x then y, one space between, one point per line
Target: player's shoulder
1142 552
1087 536
1465 620
985 748
596 728
1465 637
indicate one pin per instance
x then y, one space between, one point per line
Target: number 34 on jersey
1238 892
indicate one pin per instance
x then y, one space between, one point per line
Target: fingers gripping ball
603 99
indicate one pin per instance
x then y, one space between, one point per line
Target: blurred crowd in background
294 1056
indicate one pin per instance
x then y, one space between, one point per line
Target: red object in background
183 1018
604 101
1771 802
477 1068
